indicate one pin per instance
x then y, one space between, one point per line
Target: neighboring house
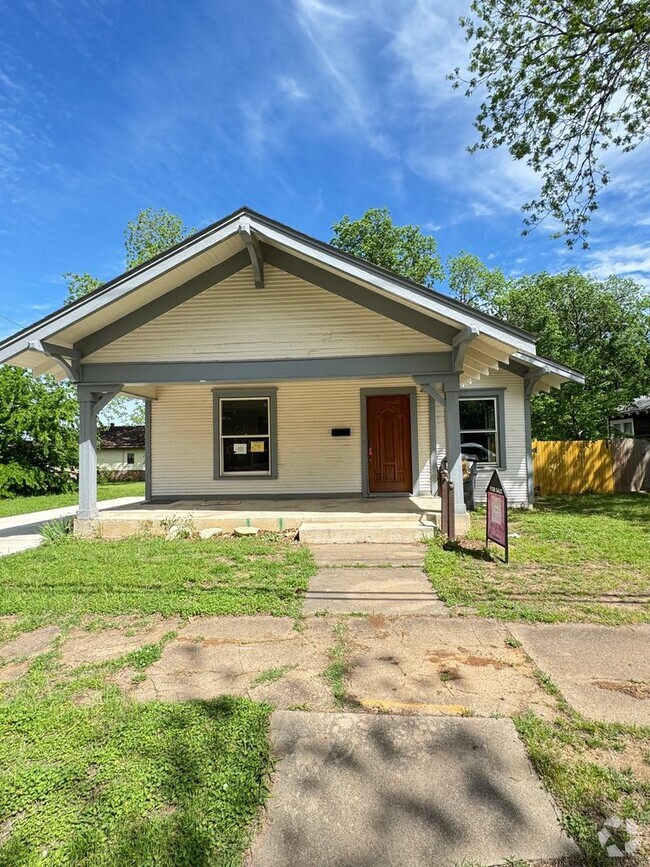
274 365
121 450
633 419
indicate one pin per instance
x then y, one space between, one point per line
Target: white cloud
623 260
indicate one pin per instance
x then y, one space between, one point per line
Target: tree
601 328
152 232
473 283
38 434
80 285
405 250
564 82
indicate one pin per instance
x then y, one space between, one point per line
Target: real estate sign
496 520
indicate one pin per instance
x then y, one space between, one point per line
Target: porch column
91 403
87 455
452 435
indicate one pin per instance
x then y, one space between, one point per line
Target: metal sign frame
496 514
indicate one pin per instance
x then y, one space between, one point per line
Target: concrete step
354 532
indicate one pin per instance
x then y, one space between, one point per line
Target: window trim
617 425
496 394
127 461
266 393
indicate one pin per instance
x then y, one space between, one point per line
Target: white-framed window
479 428
245 433
622 427
130 457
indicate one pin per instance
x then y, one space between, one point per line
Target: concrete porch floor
267 514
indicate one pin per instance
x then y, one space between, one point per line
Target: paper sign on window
240 448
257 446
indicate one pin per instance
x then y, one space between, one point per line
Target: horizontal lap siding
289 318
514 476
310 460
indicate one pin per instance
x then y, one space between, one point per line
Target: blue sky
304 110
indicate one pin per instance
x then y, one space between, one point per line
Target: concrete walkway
371 579
20 532
367 791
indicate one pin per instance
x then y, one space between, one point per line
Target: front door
389 444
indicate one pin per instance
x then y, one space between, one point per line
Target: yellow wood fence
573 467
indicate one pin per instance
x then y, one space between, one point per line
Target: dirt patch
634 757
630 687
30 644
83 647
377 621
13 671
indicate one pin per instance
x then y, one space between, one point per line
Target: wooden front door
389 444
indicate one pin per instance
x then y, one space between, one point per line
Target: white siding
310 460
289 318
115 459
514 476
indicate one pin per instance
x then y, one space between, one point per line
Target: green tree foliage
562 82
152 232
601 328
405 250
80 285
38 434
473 283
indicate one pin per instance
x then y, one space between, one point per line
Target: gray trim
452 438
514 366
272 395
351 291
530 481
148 481
338 367
365 393
498 394
163 304
68 359
461 344
254 251
433 447
431 391
91 403
547 365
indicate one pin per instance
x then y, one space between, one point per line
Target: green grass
76 577
116 783
575 558
272 674
106 491
337 670
593 770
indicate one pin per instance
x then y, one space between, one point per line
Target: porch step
354 532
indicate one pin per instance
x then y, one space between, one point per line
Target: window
245 433
479 432
130 457
622 427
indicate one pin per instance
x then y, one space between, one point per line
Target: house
274 365
633 419
121 451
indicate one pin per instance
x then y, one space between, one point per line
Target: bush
120 476
19 481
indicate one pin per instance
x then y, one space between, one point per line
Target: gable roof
223 242
122 437
638 406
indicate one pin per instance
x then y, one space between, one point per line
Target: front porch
345 519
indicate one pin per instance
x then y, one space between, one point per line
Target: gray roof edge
425 291
541 361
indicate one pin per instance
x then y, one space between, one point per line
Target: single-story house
633 419
121 450
275 365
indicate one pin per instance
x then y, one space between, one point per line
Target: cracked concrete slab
216 655
373 791
30 644
351 590
83 646
602 671
426 665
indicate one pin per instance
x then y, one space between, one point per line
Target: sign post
496 521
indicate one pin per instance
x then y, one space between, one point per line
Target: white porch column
91 402
87 455
452 435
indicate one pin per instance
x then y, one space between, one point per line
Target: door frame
411 391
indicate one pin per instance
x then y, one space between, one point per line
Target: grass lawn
594 771
76 577
106 491
89 778
581 558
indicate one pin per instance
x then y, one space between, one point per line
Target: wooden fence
599 466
